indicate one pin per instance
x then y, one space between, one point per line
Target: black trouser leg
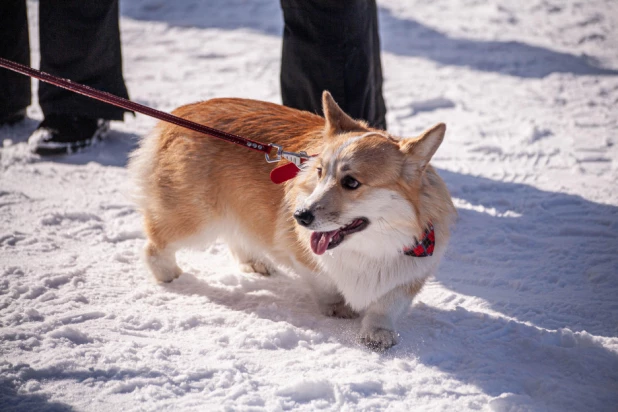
333 45
14 45
80 41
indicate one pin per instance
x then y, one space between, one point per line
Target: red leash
267 149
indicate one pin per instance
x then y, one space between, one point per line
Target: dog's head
363 180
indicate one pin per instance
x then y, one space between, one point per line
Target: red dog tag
284 173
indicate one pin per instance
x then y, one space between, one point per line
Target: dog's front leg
326 295
378 324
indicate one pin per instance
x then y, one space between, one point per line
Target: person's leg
334 46
14 45
80 41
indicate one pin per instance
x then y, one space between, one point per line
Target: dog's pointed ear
336 119
420 150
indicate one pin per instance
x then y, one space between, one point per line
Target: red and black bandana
423 247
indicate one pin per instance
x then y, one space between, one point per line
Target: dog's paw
339 310
166 275
255 267
378 339
162 266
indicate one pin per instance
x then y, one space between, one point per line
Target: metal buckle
296 158
277 155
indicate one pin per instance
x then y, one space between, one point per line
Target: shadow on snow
113 150
11 400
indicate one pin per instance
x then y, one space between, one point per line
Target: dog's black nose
304 217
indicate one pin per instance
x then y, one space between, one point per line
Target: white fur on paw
163 269
339 310
255 267
166 276
378 339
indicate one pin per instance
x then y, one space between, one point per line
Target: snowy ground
523 315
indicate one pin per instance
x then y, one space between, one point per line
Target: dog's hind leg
159 254
161 262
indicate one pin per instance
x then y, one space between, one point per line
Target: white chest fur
363 279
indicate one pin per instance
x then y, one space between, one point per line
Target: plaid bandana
425 246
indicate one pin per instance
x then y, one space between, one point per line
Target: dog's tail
141 167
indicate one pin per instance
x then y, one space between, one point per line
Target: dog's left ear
336 119
420 150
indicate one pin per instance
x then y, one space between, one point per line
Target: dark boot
64 134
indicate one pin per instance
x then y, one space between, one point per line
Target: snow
522 316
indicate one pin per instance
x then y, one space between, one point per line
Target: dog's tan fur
193 188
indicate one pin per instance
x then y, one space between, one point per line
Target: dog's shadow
513 248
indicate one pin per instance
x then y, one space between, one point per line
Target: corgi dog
365 222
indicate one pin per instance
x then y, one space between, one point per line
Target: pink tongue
320 240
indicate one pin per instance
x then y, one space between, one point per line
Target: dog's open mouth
322 241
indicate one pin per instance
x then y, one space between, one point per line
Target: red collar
423 247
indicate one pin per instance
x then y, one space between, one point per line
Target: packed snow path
522 316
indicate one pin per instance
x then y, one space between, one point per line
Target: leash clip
297 158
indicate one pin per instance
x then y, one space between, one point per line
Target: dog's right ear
336 119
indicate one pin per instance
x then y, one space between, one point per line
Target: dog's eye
319 172
350 183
